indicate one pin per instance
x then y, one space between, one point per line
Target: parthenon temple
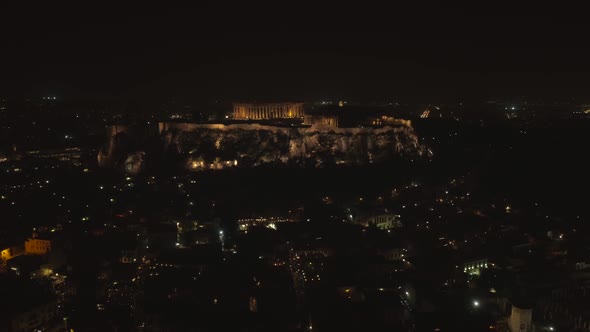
268 111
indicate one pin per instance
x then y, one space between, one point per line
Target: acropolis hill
218 146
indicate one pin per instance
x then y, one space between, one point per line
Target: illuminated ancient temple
243 111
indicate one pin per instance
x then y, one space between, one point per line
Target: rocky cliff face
217 146
126 148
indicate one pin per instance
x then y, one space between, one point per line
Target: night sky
293 50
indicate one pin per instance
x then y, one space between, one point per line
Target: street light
476 303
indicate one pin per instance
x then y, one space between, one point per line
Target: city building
9 252
394 254
521 319
70 154
267 111
384 221
475 267
37 246
269 222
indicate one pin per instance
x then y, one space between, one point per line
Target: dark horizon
237 52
